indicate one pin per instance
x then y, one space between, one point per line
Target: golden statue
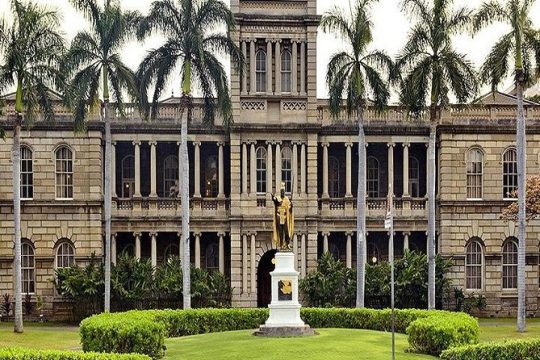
283 220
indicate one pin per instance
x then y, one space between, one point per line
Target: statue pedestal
284 319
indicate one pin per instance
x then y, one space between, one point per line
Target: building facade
281 133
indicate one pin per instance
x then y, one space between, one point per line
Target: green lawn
501 329
41 336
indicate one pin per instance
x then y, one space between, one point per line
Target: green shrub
29 354
508 350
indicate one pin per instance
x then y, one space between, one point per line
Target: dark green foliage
210 289
29 354
5 306
469 303
507 350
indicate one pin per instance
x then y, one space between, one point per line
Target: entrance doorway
264 280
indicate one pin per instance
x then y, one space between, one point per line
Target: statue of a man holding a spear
283 220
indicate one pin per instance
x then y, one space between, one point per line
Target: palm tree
192 43
522 46
93 65
31 49
433 71
357 75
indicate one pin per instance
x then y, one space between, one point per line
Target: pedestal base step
284 331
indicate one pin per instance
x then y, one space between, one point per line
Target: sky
391 27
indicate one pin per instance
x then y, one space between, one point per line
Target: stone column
391 165
278 166
113 248
197 169
325 170
244 75
303 68
244 264
269 166
197 250
349 250
348 166
137 192
221 245
137 245
325 242
303 169
244 169
253 168
294 68
294 184
113 170
221 187
252 261
153 237
278 67
252 76
153 170
304 255
406 241
295 251
406 169
269 67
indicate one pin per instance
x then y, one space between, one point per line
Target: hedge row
28 354
508 350
145 331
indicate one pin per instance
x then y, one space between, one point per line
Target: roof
500 98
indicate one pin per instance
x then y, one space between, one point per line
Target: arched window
260 71
28 268
286 168
475 159
65 255
373 253
27 175
474 265
286 71
261 170
170 174
211 177
212 257
509 264
171 251
64 173
414 177
128 176
509 173
333 177
372 177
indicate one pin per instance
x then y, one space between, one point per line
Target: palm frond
497 63
488 13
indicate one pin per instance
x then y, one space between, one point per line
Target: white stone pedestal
284 319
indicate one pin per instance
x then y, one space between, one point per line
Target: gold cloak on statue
283 216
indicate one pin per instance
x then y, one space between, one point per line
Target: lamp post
389 224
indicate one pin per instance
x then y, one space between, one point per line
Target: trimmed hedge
145 331
29 354
508 350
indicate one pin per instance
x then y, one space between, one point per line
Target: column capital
325 233
251 142
114 235
153 234
196 143
152 143
406 144
137 234
325 144
113 143
349 233
197 234
220 143
407 233
391 144
136 142
269 142
179 234
252 233
348 144
221 234
297 142
277 41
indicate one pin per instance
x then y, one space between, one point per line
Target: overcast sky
390 32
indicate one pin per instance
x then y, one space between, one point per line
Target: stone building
281 133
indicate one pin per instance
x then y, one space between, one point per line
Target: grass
329 345
41 336
504 329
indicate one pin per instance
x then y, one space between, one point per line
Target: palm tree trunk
184 188
16 158
107 204
361 212
521 170
431 207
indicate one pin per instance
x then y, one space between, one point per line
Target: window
65 255
170 175
212 257
261 170
28 268
286 71
260 71
333 177
475 159
372 177
474 263
27 176
211 177
64 173
171 251
286 168
414 177
509 264
128 176
509 173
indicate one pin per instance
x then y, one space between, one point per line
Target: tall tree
193 40
31 49
432 71
520 46
358 75
95 69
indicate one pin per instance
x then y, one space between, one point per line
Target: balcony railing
169 207
375 207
